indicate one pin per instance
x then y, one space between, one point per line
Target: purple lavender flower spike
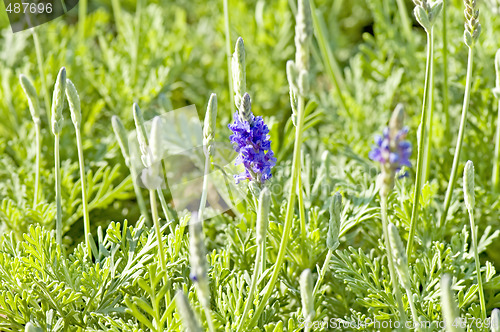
392 150
251 141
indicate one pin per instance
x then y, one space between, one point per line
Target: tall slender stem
478 265
496 162
302 218
204 193
414 312
430 102
86 219
82 17
159 235
41 72
461 131
322 272
420 159
446 101
289 214
37 171
228 54
253 286
58 191
390 260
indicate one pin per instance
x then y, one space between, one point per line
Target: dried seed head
495 320
332 239
58 102
239 71
210 124
472 25
74 103
121 137
189 320
303 33
399 255
263 215
198 260
306 293
469 185
449 306
30 92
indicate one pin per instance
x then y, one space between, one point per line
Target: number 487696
27 7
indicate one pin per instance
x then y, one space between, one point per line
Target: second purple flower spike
251 141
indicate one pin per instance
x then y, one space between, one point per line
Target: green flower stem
140 199
159 237
414 312
331 66
496 163
41 72
478 266
58 191
420 159
164 205
390 260
86 219
82 17
446 100
228 55
322 272
210 321
253 286
289 214
204 193
430 103
461 131
38 166
302 218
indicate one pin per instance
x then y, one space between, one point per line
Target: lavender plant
495 181
392 151
469 199
34 106
57 124
471 34
76 117
426 14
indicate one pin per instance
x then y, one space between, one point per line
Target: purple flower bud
393 152
251 141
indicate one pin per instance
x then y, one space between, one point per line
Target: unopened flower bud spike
307 296
122 138
34 107
76 117
470 204
239 72
451 313
57 123
495 320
